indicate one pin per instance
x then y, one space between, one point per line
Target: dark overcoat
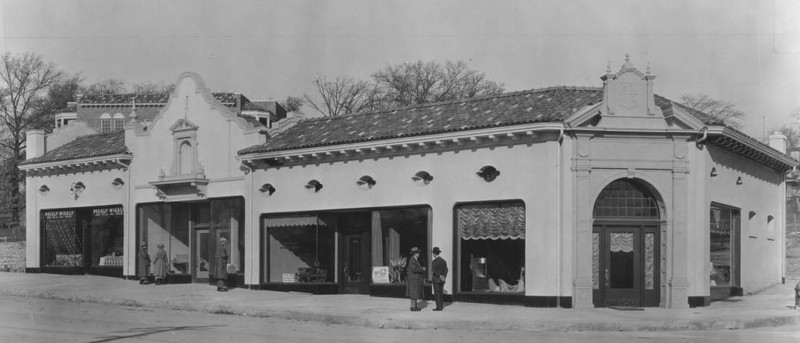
143 268
160 264
414 276
439 269
221 265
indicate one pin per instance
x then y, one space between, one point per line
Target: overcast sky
747 52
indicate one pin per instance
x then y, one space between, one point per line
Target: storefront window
394 233
62 239
174 224
107 232
83 237
492 238
300 249
724 226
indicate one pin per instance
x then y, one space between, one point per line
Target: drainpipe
704 131
559 220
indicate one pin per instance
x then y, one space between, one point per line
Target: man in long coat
439 271
415 274
143 265
221 265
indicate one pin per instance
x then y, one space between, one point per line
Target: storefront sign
59 214
107 211
380 274
289 277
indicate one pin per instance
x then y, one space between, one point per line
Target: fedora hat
436 250
414 250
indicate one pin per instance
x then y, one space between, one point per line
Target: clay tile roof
157 98
103 144
228 99
542 105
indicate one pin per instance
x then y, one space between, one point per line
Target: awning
491 221
293 222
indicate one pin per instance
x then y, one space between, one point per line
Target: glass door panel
202 254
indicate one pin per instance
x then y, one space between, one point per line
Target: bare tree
108 86
724 111
150 87
342 95
293 104
25 77
423 82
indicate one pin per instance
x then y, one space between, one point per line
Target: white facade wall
526 172
762 192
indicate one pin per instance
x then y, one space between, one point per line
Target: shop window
62 239
84 237
492 247
173 225
394 233
723 248
300 248
107 231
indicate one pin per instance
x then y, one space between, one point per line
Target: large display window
300 248
190 232
492 247
724 228
83 237
394 233
107 229
348 247
62 239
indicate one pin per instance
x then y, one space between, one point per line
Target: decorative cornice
119 161
507 135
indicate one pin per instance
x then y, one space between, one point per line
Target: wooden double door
626 265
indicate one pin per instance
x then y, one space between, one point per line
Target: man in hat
221 265
143 265
439 270
414 278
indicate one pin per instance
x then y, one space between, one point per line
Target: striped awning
492 221
293 222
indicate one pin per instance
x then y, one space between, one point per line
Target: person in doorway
221 266
414 275
439 270
144 263
160 265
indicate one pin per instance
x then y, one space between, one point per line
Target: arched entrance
625 246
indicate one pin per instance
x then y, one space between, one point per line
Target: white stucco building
562 196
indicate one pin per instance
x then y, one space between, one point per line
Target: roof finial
647 71
627 58
608 67
133 115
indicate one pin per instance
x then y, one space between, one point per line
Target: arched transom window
625 198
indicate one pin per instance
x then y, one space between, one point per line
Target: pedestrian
160 264
414 275
439 271
144 263
221 267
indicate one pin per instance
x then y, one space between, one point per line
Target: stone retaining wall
12 257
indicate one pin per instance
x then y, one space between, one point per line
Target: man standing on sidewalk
439 269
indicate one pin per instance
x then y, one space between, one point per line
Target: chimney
34 143
778 141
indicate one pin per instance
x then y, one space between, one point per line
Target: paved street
42 320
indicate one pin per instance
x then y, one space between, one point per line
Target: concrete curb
392 322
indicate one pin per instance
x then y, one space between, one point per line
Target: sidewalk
771 307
